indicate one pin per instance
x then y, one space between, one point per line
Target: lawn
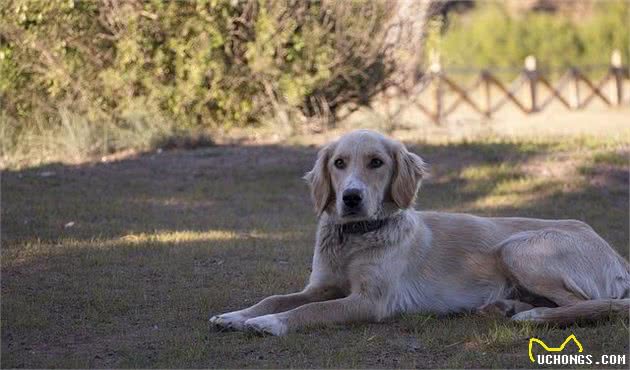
120 264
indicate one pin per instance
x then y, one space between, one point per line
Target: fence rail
534 81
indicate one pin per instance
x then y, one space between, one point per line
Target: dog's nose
352 198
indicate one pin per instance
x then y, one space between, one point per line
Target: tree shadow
241 189
189 190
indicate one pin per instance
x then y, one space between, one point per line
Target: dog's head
364 175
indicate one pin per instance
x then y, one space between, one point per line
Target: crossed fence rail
574 81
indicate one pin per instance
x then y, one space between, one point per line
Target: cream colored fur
431 261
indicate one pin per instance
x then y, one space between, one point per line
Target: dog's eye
339 163
375 163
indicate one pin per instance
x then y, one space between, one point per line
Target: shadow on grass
219 187
119 264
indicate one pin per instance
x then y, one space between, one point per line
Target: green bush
186 64
491 36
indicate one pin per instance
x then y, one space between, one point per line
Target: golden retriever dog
375 256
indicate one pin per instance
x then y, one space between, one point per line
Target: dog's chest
353 258
347 251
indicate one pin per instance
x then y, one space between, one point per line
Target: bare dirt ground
120 264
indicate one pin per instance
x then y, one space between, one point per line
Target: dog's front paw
229 321
268 324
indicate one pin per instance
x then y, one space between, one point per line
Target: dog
375 256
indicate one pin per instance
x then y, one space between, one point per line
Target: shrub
182 64
212 63
491 36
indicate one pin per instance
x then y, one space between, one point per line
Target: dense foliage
491 36
213 62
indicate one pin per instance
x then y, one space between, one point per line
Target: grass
120 264
73 138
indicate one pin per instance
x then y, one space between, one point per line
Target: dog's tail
585 310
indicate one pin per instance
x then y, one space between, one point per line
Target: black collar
361 227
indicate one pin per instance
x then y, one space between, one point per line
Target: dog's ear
319 180
409 169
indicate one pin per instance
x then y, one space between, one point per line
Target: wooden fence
534 81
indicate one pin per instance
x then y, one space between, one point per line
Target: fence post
616 69
532 76
488 91
436 72
575 97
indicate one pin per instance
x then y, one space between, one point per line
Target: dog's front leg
354 307
277 303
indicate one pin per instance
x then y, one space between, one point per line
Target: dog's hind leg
584 310
568 267
546 263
